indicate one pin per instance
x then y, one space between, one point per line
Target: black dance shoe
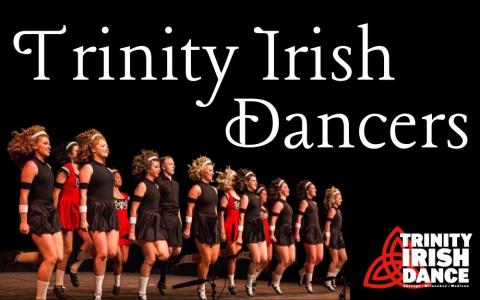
162 288
116 290
232 289
59 292
74 278
249 291
308 287
277 289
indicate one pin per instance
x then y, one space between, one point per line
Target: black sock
164 270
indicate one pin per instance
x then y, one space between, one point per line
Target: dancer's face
101 149
263 196
42 146
73 152
169 166
118 179
338 199
154 170
284 190
252 183
311 190
207 173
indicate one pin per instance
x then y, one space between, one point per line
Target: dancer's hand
84 225
24 228
131 236
186 233
297 237
239 239
273 238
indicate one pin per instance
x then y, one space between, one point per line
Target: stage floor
21 285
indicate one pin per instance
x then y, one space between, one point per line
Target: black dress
101 213
150 226
336 236
310 231
42 215
205 219
169 209
253 231
283 227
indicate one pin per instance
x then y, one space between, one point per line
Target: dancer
229 216
66 198
29 149
262 195
97 210
202 210
307 229
121 205
251 224
147 225
170 210
281 230
334 237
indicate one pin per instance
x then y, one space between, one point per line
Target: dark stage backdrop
432 58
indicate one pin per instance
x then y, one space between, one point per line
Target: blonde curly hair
226 179
330 194
198 166
87 140
21 146
142 162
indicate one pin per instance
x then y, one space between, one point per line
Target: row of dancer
158 229
243 225
86 199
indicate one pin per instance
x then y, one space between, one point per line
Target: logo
420 260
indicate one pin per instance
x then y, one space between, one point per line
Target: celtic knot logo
386 270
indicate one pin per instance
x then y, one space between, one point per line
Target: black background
433 60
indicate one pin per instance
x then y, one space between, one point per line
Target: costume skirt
231 229
336 239
101 215
266 228
69 214
253 231
150 226
205 228
284 235
43 218
311 235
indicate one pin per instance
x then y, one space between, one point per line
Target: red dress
266 226
231 220
69 200
123 223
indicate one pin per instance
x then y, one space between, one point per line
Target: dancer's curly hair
21 146
198 165
87 141
274 189
244 175
226 179
142 162
330 194
302 188
63 151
